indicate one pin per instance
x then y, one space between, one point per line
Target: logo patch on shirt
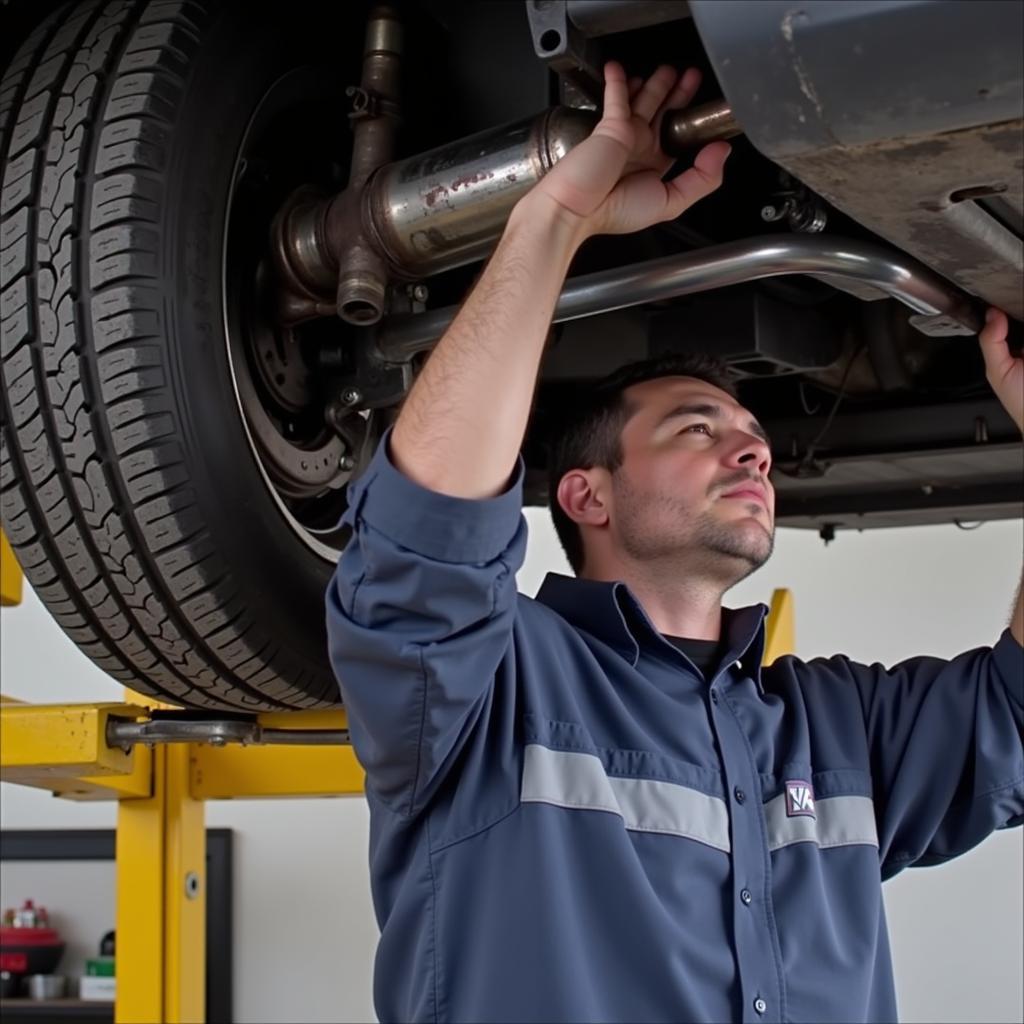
799 799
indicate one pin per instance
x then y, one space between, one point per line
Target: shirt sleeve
945 744
420 613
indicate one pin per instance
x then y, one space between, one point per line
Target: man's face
693 489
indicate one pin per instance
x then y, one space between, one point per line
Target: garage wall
304 927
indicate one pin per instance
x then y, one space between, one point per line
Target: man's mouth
749 492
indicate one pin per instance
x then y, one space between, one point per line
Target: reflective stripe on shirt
579 781
838 821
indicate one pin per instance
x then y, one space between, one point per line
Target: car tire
131 491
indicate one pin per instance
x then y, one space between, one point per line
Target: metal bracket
378 382
940 325
561 45
197 727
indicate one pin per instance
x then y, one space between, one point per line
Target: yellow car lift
161 764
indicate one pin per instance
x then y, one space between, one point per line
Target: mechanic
597 805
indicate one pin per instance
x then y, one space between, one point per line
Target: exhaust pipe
683 130
940 308
438 210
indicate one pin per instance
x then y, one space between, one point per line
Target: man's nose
753 454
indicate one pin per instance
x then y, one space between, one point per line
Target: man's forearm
462 425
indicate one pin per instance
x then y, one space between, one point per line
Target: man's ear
582 497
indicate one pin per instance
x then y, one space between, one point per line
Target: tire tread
94 487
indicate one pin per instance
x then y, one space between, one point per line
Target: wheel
169 483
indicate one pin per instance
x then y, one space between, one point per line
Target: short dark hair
589 433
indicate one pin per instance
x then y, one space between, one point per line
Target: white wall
304 929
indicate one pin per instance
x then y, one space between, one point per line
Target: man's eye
698 426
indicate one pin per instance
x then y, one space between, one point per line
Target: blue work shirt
568 823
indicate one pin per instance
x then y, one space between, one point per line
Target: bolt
769 213
346 463
420 293
351 396
191 885
218 741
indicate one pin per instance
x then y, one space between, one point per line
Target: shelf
16 1010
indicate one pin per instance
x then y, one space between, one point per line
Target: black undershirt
705 654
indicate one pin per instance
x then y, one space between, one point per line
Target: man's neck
682 611
683 606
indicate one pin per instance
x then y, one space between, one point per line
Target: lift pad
63 748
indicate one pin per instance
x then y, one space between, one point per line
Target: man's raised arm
1005 374
461 428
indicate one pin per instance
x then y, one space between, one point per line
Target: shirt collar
610 612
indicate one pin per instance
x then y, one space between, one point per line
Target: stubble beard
666 534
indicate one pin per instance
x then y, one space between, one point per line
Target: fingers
993 343
616 92
996 327
685 89
654 92
664 90
701 179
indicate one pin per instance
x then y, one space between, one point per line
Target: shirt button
760 1005
746 897
739 794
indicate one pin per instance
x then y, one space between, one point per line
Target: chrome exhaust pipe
939 307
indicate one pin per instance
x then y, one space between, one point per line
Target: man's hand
611 182
1005 372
